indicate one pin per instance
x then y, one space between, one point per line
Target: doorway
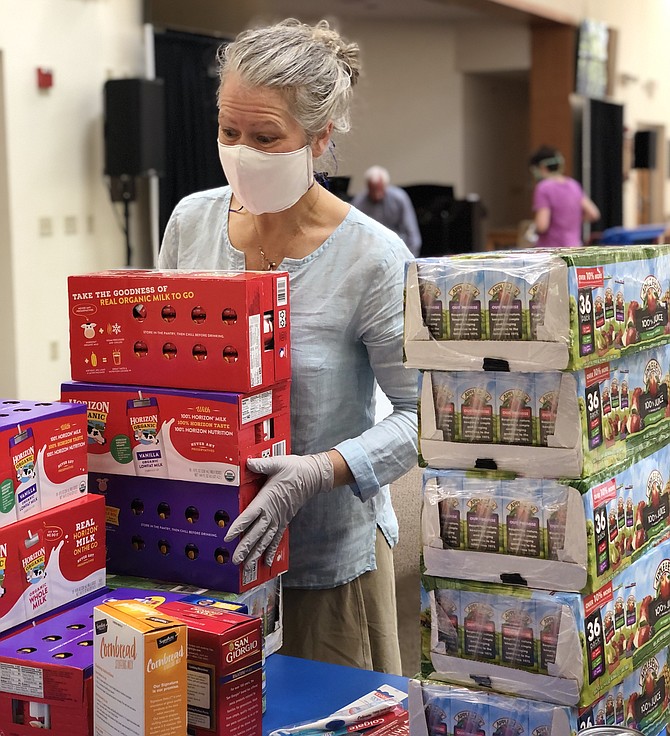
650 205
496 117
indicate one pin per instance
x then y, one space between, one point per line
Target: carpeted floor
406 495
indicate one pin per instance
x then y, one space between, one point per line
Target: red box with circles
213 330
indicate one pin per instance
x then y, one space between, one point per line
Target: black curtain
607 162
187 63
599 135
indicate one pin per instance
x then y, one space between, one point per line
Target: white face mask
267 182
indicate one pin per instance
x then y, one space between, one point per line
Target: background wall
56 217
426 108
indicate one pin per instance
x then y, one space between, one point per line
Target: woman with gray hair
285 90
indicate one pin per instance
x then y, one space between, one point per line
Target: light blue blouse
346 332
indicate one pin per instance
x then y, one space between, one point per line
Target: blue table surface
301 690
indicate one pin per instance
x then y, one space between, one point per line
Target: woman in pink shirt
559 203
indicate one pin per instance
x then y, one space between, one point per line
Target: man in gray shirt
391 206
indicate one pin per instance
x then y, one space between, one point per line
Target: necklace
266 263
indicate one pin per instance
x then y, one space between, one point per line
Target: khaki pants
353 624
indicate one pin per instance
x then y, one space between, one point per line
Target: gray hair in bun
312 65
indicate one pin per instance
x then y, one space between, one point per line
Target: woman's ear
320 143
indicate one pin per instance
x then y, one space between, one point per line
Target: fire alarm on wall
45 78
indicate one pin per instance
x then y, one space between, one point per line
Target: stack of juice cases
544 429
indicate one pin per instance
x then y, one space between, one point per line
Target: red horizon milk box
51 560
49 683
212 330
224 663
203 436
48 667
174 530
43 458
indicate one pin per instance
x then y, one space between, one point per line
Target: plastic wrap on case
536 309
474 412
480 526
436 709
561 647
518 641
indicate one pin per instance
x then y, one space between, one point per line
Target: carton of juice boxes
560 424
42 457
498 529
536 310
203 436
558 535
437 709
50 560
202 330
640 701
175 530
561 647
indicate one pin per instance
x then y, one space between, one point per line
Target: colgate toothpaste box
43 460
536 309
202 436
224 670
209 330
51 560
174 530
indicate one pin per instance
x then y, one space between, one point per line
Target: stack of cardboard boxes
178 378
544 426
52 536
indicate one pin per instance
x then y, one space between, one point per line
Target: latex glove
292 481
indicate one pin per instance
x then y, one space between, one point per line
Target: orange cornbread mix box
139 671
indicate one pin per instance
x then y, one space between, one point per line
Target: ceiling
443 10
456 11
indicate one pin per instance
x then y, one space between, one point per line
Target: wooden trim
552 81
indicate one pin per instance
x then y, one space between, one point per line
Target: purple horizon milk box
174 530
